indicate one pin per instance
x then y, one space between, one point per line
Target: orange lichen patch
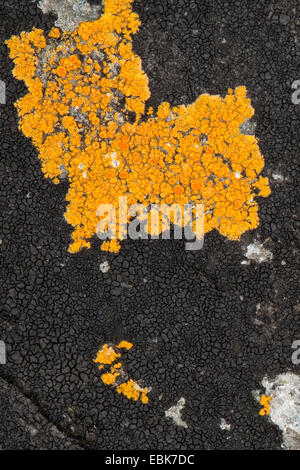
107 355
265 402
132 390
178 189
125 345
116 375
109 378
61 71
54 33
144 397
113 246
83 85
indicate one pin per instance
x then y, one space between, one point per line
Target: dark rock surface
192 316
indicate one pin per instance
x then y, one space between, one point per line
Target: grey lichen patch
284 391
248 127
175 413
63 172
70 13
258 253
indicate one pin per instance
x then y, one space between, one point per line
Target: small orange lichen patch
131 390
54 33
265 402
109 378
116 375
125 345
113 246
106 355
83 85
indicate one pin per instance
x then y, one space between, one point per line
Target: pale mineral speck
225 426
257 252
104 267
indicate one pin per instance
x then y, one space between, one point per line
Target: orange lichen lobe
54 33
265 402
83 85
125 345
109 378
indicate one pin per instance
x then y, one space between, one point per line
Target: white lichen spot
225 426
113 159
256 252
237 174
104 267
175 413
115 163
70 13
277 177
284 391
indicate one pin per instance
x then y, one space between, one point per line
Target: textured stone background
193 317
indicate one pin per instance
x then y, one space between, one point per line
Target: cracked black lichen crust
193 335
